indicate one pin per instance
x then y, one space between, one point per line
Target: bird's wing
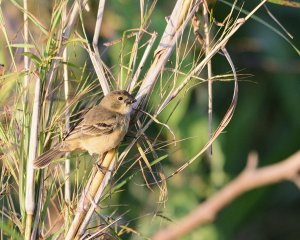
98 121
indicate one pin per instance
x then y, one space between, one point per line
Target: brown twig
250 178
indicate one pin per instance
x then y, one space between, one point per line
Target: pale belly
102 144
98 144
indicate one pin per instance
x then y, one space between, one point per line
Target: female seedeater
102 129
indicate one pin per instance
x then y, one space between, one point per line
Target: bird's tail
45 159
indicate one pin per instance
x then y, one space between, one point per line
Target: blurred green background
267 120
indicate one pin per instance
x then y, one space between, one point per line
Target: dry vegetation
45 92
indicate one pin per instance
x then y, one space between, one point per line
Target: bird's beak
130 101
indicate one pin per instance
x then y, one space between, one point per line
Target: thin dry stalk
89 194
225 121
33 144
26 58
95 55
221 43
134 80
67 193
250 178
98 23
73 16
209 75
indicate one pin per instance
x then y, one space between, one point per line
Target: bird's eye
120 98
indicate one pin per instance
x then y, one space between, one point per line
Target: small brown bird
102 129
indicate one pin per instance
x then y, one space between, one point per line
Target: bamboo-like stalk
25 107
96 200
209 75
89 194
67 193
33 144
179 18
94 55
67 183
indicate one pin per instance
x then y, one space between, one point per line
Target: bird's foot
101 169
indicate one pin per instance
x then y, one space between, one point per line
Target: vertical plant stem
67 193
209 75
33 144
24 143
98 23
95 56
89 194
38 208
29 197
67 161
26 58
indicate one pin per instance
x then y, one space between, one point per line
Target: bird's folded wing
96 122
97 129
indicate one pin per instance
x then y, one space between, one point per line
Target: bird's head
118 101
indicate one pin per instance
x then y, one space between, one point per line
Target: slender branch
250 178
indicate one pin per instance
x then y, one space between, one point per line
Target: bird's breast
103 143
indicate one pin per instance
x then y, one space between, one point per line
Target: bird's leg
99 166
102 169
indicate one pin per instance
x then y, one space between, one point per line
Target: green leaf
287 3
33 57
76 40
